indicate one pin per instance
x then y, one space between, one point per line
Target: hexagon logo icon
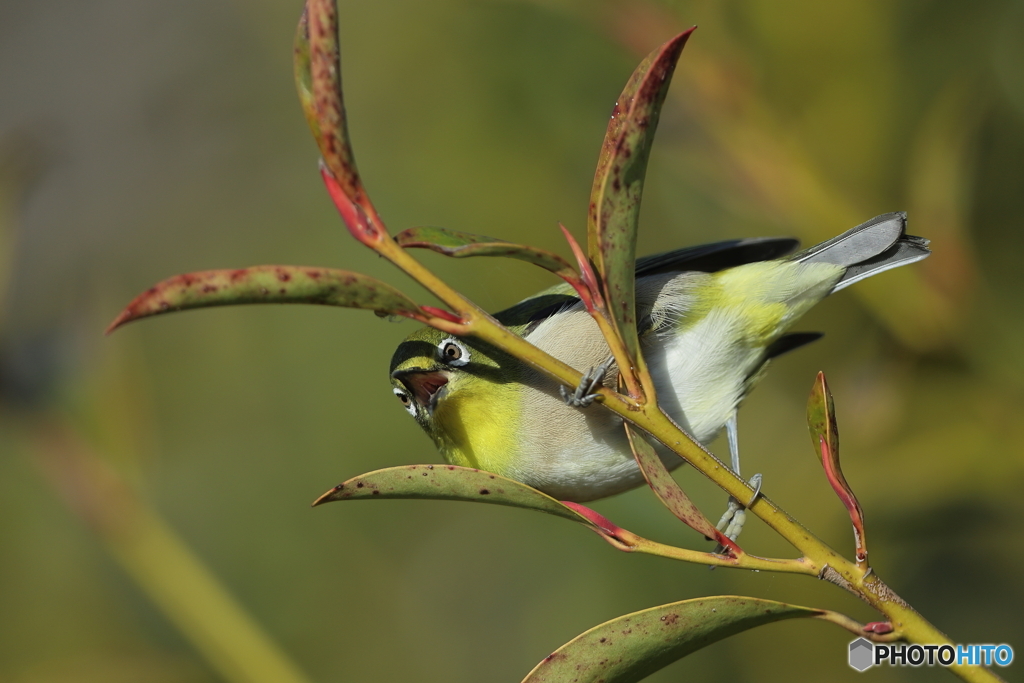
862 654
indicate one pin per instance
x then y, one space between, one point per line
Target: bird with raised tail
711 318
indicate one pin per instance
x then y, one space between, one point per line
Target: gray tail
870 248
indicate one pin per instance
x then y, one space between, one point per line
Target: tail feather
870 248
907 250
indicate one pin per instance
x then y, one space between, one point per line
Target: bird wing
708 258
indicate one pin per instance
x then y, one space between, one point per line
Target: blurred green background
154 485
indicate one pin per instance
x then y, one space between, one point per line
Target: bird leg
735 515
584 394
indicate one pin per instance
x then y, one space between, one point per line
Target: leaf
462 244
447 482
317 68
636 645
268 285
317 54
666 488
821 420
614 210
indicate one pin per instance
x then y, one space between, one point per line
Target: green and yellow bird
711 318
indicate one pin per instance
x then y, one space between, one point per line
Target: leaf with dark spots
448 482
317 68
634 646
463 244
821 420
614 211
666 488
269 285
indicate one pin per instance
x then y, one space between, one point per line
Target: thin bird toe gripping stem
584 394
731 523
755 481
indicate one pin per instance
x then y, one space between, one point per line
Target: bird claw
584 394
731 523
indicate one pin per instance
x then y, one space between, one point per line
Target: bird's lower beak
426 386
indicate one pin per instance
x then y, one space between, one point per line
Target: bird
710 320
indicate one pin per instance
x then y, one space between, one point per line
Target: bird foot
584 394
735 515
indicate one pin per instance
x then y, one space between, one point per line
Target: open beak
424 385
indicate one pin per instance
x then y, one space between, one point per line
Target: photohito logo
864 654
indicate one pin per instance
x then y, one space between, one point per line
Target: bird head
426 367
455 388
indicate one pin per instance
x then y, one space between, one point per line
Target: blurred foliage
143 139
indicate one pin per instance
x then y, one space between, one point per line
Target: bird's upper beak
425 385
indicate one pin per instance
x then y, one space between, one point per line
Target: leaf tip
122 318
330 496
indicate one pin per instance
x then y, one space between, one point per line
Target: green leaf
636 645
618 184
268 285
448 482
666 488
821 421
462 244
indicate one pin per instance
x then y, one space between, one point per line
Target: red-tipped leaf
317 68
667 490
618 185
821 420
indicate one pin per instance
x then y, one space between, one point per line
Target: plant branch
615 204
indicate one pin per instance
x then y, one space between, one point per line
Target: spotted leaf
268 285
636 645
614 211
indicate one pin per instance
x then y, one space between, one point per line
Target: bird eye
406 401
453 352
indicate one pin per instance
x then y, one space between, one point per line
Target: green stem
741 561
857 628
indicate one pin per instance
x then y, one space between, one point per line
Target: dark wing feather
709 258
528 313
790 342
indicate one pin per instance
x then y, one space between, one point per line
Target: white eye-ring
406 401
453 352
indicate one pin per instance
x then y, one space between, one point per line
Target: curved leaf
448 482
636 645
317 68
666 488
462 244
318 54
268 285
821 420
618 184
